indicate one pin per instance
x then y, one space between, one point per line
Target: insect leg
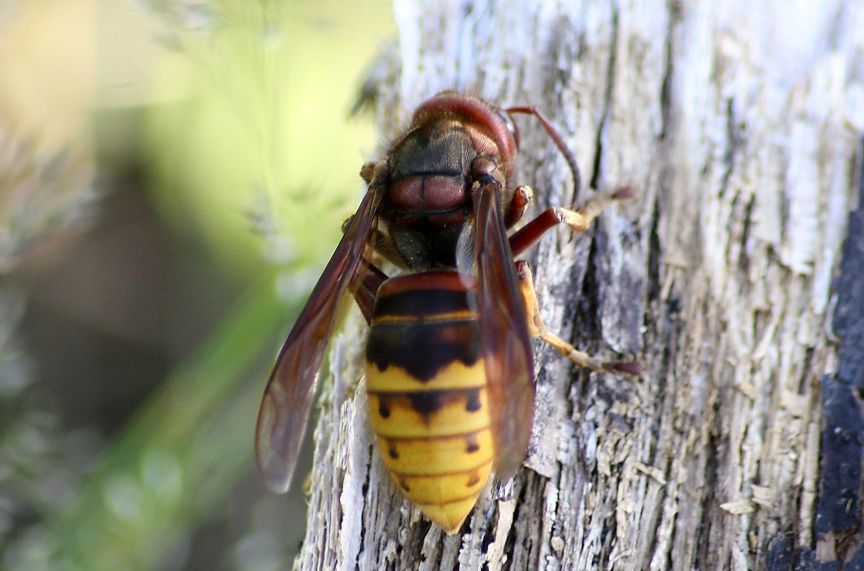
522 195
578 220
537 328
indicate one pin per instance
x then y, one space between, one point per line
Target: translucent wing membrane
506 342
288 397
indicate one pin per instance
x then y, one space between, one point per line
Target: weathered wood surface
740 128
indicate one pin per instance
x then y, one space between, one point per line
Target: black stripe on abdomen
422 349
423 330
420 303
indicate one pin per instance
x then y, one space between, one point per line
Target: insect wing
288 397
508 360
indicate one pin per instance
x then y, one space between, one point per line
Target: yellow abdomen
427 394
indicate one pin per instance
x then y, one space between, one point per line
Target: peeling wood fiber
739 124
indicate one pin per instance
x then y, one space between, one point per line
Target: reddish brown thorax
428 198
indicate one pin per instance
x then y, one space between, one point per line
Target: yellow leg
538 329
580 220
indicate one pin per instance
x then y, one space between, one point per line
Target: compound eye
511 126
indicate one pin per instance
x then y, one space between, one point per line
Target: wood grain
740 128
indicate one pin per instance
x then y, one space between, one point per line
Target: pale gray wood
737 123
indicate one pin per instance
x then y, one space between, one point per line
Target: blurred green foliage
268 136
236 112
178 458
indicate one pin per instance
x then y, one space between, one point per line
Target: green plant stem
179 458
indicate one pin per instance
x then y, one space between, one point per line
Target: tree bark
739 127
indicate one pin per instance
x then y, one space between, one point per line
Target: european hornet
449 367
